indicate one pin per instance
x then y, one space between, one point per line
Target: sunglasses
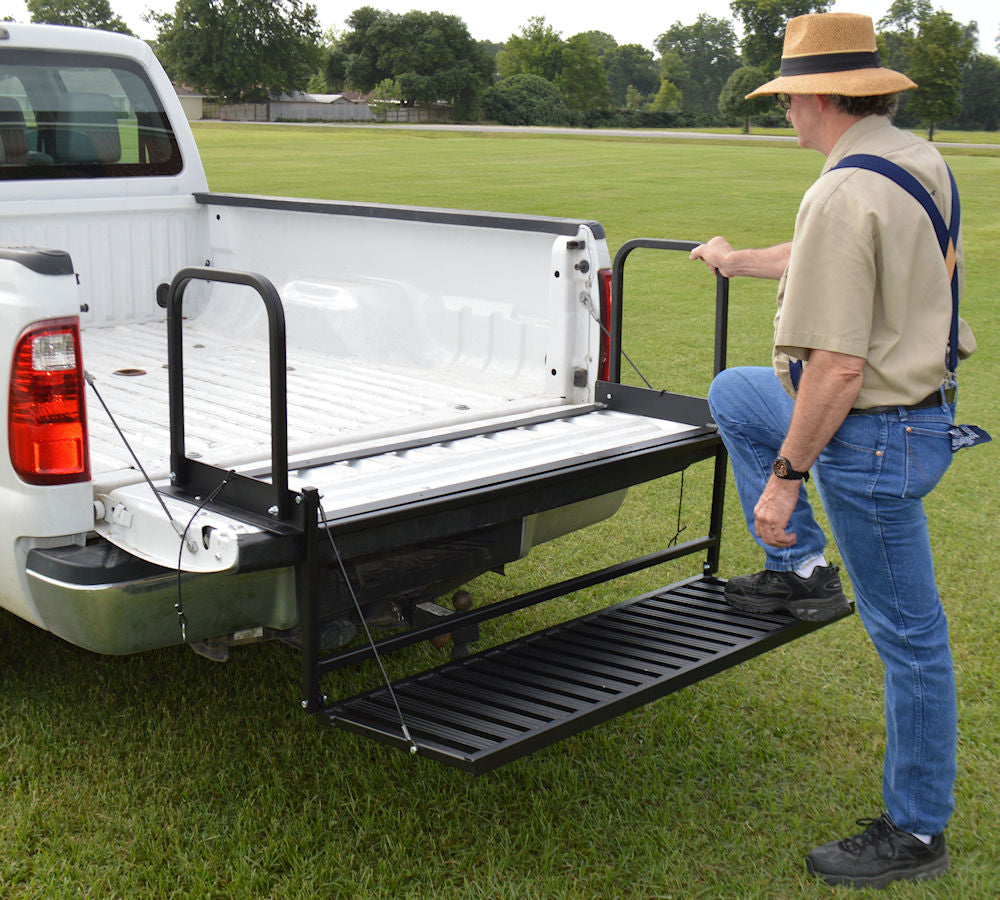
784 101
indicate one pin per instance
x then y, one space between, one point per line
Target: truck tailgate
502 451
542 459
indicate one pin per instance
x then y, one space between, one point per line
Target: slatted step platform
499 705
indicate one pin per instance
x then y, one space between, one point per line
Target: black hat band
830 62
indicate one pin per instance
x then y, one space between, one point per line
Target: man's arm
830 385
766 262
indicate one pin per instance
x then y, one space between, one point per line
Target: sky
628 21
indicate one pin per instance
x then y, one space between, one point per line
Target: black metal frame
494 707
271 502
625 397
612 395
292 519
617 291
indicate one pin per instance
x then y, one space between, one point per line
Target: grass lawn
164 775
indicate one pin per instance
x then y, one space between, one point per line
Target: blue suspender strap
795 372
947 235
952 262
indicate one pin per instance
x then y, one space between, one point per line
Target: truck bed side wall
121 248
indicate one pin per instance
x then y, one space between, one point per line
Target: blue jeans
871 478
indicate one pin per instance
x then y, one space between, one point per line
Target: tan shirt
866 276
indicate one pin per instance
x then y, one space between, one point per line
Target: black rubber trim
44 262
544 224
97 562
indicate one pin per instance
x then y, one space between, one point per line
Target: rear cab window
80 115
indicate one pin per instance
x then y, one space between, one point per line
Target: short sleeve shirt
866 276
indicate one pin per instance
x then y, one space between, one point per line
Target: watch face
780 467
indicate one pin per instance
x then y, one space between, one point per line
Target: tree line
247 50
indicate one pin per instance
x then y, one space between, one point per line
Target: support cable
371 641
179 604
586 301
93 384
182 532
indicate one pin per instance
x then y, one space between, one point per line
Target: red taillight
604 286
47 421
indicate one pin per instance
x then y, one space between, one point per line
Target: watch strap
782 468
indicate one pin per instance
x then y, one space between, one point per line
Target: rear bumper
102 599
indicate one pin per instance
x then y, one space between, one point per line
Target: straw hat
833 53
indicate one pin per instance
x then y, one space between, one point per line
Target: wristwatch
782 468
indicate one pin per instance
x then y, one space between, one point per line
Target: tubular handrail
719 363
180 465
617 292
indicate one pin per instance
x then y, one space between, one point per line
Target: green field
165 775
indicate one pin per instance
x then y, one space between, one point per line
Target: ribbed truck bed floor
504 703
332 402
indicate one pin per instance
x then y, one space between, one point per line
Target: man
862 394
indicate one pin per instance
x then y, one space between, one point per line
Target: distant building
300 106
191 102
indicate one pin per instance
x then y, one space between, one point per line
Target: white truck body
443 330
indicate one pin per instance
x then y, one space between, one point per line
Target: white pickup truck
236 417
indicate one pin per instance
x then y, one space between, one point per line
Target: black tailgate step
501 704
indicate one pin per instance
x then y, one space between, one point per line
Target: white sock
924 838
806 569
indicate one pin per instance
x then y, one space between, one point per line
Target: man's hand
714 254
720 257
830 384
774 509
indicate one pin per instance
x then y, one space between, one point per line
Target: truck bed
333 403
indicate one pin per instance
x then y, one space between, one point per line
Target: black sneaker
880 854
818 598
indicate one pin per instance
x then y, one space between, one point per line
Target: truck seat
87 130
13 133
15 144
